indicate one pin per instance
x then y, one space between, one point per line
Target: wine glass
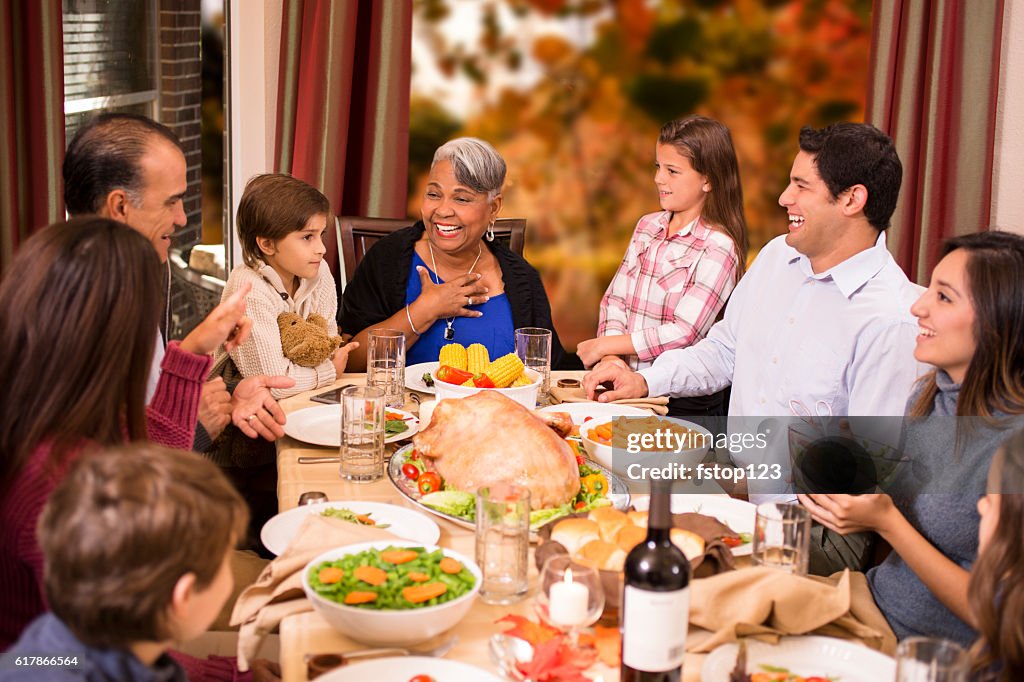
571 596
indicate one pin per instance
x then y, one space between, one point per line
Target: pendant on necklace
449 333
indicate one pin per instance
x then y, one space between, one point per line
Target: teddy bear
305 342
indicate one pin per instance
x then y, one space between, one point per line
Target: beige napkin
278 590
767 603
658 405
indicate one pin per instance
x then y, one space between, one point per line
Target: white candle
426 412
568 601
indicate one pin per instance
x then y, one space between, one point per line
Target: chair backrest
358 234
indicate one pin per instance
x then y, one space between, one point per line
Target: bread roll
602 555
629 537
639 518
609 521
574 533
691 544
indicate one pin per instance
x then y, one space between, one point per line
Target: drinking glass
503 541
927 659
782 537
385 364
533 346
571 595
362 434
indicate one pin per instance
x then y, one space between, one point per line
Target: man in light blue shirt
821 322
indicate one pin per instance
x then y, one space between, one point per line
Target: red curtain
934 85
343 111
31 120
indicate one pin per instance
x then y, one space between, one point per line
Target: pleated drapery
31 120
934 88
343 103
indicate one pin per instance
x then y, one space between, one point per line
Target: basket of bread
603 537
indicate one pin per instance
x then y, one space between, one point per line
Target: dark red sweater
170 420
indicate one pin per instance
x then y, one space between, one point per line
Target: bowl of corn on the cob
478 372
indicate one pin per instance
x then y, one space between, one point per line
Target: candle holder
571 596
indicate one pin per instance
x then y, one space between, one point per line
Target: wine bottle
655 599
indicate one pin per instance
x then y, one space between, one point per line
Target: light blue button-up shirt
839 342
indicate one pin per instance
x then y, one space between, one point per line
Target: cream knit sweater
261 353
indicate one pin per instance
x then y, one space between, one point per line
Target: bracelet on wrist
408 317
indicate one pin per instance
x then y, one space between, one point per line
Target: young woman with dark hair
78 314
971 322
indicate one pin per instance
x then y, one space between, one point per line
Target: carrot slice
399 556
450 565
330 575
418 577
365 520
371 575
425 592
360 597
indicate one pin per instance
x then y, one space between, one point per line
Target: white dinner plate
807 656
404 668
404 523
736 514
414 376
321 425
580 411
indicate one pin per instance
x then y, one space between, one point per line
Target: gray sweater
947 515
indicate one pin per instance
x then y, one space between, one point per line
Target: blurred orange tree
579 140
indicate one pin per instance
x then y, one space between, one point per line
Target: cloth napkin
767 603
278 590
657 405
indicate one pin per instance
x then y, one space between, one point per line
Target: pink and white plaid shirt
668 291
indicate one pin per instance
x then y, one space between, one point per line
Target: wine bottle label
654 628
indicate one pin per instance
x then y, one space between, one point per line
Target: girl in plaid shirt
683 261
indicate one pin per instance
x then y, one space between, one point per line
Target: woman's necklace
449 332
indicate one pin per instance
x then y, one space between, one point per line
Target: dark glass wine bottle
655 599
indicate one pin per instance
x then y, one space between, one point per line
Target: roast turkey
487 438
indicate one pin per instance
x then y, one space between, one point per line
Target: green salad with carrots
394 578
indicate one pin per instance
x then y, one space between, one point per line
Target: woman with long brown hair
996 589
78 314
682 262
971 322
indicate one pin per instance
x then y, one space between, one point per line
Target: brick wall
180 98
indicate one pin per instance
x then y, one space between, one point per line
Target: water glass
533 346
362 434
782 537
927 659
503 541
385 364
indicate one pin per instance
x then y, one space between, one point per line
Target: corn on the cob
522 380
453 355
469 382
477 358
504 370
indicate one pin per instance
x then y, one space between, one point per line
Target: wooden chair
358 234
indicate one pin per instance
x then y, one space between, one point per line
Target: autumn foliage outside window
572 94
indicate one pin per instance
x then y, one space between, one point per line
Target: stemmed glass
571 596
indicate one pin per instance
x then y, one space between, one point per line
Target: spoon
318 664
506 651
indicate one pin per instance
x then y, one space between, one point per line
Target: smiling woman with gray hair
444 279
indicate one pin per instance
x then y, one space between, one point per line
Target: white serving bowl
524 395
391 627
602 453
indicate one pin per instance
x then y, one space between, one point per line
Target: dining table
308 633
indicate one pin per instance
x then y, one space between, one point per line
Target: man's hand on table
625 382
254 411
214 407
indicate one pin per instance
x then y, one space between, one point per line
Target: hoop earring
489 236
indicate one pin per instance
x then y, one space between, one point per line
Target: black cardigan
377 290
